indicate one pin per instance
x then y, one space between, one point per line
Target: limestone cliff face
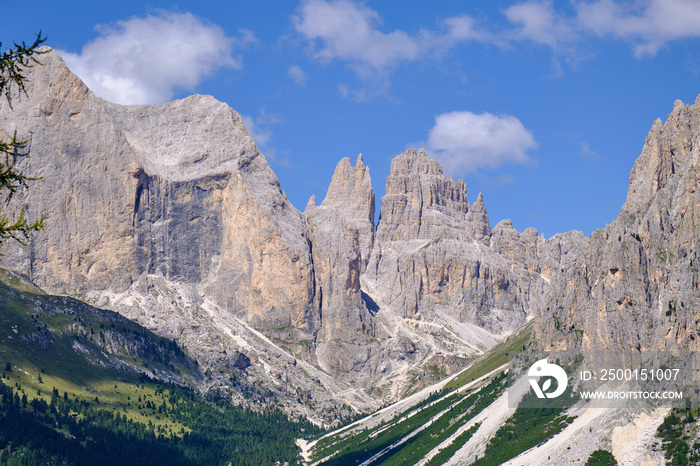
86 187
637 283
420 202
432 251
208 209
178 190
341 232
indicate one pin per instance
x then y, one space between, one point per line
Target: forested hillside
182 428
78 386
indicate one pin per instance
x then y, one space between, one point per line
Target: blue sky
541 105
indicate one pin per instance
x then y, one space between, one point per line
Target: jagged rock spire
478 221
341 233
351 190
420 202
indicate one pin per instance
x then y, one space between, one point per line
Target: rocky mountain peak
130 191
478 205
351 190
348 205
623 289
669 151
411 162
478 221
420 202
217 140
341 234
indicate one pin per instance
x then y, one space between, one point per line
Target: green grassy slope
495 357
429 422
58 341
79 385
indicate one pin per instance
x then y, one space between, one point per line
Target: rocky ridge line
170 215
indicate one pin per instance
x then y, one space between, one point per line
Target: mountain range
170 216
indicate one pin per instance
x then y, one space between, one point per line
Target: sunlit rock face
636 286
341 233
178 190
433 251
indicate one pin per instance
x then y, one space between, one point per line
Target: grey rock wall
432 251
178 190
341 233
636 285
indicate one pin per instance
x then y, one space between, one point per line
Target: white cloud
651 23
297 75
349 31
452 32
465 141
143 60
539 22
463 27
586 151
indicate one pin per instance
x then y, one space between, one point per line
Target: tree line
72 431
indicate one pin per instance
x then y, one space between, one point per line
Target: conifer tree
13 64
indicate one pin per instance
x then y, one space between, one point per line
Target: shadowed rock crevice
142 183
370 303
